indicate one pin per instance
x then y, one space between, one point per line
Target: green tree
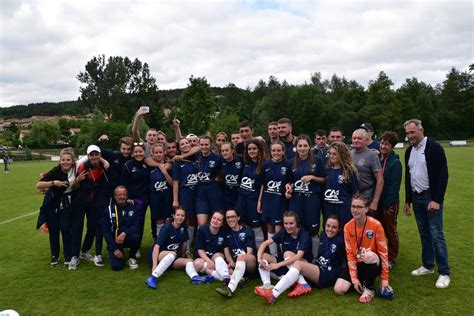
382 109
197 106
117 84
43 134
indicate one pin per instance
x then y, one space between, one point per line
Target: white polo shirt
418 170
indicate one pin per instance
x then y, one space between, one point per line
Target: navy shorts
230 198
273 207
247 209
328 278
308 208
209 198
161 204
187 200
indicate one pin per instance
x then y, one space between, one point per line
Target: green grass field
29 286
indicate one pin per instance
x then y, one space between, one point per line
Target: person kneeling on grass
239 252
121 229
295 244
210 243
326 269
366 250
171 243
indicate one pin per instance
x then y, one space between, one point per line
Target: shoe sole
424 273
226 295
98 264
299 294
133 267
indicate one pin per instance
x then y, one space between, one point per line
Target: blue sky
44 44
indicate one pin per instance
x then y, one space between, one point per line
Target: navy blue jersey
136 178
331 252
301 242
208 242
322 152
186 172
171 238
251 181
290 150
316 169
209 167
158 182
239 241
275 177
232 172
116 161
339 191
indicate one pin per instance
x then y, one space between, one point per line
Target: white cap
92 148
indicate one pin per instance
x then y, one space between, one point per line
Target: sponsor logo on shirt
238 252
173 247
232 180
204 176
273 186
192 179
301 186
247 184
160 186
332 196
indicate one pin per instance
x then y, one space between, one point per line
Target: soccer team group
257 205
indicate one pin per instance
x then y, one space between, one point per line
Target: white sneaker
443 281
86 256
421 271
132 263
73 263
98 261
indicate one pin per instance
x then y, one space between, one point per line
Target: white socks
265 276
258 236
191 237
158 228
190 270
286 282
221 267
239 272
315 245
273 247
163 265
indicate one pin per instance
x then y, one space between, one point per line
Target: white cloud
45 44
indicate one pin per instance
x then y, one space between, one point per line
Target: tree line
116 87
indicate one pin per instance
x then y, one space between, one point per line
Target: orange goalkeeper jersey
371 238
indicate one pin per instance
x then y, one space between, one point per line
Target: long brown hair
261 155
346 160
303 137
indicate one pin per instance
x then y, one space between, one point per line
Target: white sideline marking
15 218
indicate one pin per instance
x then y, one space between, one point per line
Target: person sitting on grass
239 253
121 229
295 245
366 250
209 252
326 269
169 250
